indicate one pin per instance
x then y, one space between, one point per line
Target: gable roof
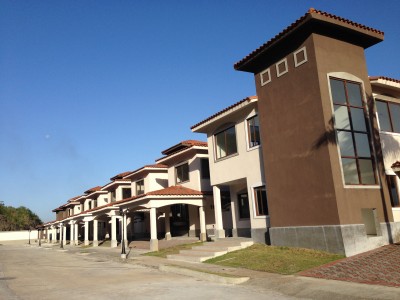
313 21
146 167
120 175
225 110
184 145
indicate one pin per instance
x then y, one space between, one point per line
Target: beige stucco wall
155 181
195 182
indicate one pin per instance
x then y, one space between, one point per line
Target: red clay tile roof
248 99
155 166
120 175
184 145
93 189
295 25
372 78
175 191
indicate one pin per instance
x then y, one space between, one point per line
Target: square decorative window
353 134
388 115
205 168
182 173
126 193
265 77
281 67
225 142
260 198
243 204
139 187
253 128
300 57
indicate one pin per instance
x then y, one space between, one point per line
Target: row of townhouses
311 161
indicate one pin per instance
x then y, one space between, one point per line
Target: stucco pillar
86 233
167 224
153 229
64 228
219 226
54 235
71 234
233 211
125 237
129 228
95 233
76 235
202 217
114 242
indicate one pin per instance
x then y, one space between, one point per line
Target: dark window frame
353 132
125 196
224 131
390 114
139 187
180 170
392 184
263 211
253 135
204 168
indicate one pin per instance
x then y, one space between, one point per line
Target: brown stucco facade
305 182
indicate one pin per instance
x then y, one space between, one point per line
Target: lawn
281 260
172 250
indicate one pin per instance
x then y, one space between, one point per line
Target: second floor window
389 116
113 196
182 173
225 142
205 168
352 132
139 187
126 193
253 126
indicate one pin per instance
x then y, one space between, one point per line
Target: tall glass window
225 142
139 187
182 173
243 203
353 132
253 126
389 116
260 197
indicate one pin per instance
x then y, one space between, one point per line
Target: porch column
167 224
203 234
219 226
86 233
153 230
76 234
47 235
95 239
233 211
125 237
64 228
129 228
71 235
54 235
114 242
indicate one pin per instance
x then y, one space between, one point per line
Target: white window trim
351 77
299 63
267 71
252 188
383 98
284 61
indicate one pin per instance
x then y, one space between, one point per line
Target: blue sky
89 89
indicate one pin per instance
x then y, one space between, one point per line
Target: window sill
253 148
226 157
261 217
182 182
377 186
389 133
396 208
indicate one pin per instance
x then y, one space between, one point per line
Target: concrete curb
202 275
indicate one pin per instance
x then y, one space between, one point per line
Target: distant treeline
21 218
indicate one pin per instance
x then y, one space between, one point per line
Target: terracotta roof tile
120 175
293 26
372 78
247 99
184 144
93 189
176 190
154 166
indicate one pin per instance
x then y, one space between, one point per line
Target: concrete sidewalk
291 286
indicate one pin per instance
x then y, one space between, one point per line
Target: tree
20 218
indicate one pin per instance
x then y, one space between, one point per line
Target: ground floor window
260 197
394 195
243 204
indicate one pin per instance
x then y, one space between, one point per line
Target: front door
179 220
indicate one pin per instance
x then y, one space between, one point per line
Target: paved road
39 273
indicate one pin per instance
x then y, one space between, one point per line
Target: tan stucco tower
322 156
